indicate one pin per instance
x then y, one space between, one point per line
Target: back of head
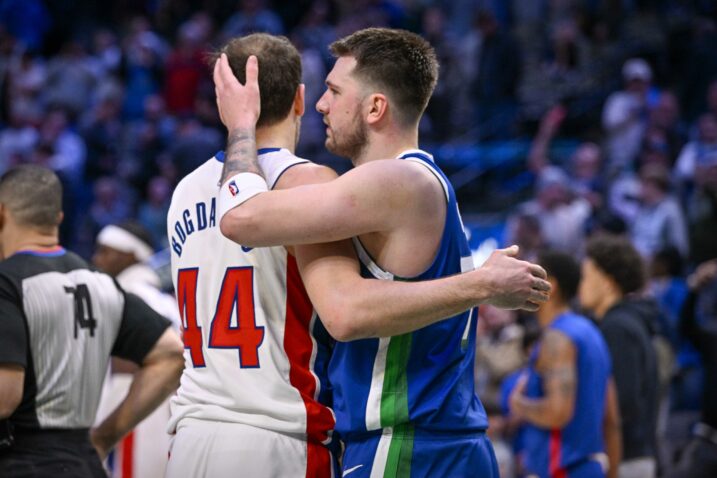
398 62
33 195
564 269
279 71
618 259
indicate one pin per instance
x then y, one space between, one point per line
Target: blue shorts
408 452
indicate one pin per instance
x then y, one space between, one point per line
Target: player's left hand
239 105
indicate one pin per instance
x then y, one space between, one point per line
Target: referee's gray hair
33 195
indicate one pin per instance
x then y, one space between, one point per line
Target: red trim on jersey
318 460
128 455
299 347
556 444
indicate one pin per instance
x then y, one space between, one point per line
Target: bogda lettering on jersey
202 218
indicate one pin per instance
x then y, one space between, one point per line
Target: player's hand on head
515 284
239 105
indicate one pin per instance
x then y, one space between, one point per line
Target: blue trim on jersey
38 253
267 150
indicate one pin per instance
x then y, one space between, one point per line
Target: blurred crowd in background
554 118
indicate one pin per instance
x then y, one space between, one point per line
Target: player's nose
322 105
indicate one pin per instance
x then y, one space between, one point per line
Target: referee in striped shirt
60 321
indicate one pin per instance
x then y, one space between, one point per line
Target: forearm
538 412
240 155
152 383
613 448
383 309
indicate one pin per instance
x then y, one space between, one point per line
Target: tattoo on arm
240 156
556 365
559 374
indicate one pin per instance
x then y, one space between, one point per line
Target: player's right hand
513 283
239 105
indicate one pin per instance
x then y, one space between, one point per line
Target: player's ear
299 100
60 217
377 108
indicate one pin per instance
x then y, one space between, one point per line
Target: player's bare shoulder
303 174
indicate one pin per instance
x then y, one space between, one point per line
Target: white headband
123 240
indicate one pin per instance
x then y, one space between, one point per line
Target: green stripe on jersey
394 396
400 453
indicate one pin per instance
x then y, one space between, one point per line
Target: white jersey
255 353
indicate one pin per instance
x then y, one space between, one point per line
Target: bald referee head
30 208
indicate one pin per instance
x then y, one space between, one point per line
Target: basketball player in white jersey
404 397
253 398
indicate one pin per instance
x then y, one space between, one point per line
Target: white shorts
220 449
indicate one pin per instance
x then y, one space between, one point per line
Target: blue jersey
422 379
549 452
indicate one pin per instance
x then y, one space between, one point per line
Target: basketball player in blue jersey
403 391
567 399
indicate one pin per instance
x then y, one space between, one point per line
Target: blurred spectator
699 459
611 271
499 352
567 391
625 115
669 287
26 79
585 164
106 53
314 32
19 136
655 149
526 233
152 213
561 215
142 70
665 116
185 68
495 88
69 147
586 174
70 77
252 16
111 205
702 208
700 154
660 222
193 144
102 131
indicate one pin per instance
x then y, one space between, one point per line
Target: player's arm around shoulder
375 197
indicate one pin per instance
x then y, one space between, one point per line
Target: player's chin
330 145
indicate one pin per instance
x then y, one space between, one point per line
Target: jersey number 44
236 297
